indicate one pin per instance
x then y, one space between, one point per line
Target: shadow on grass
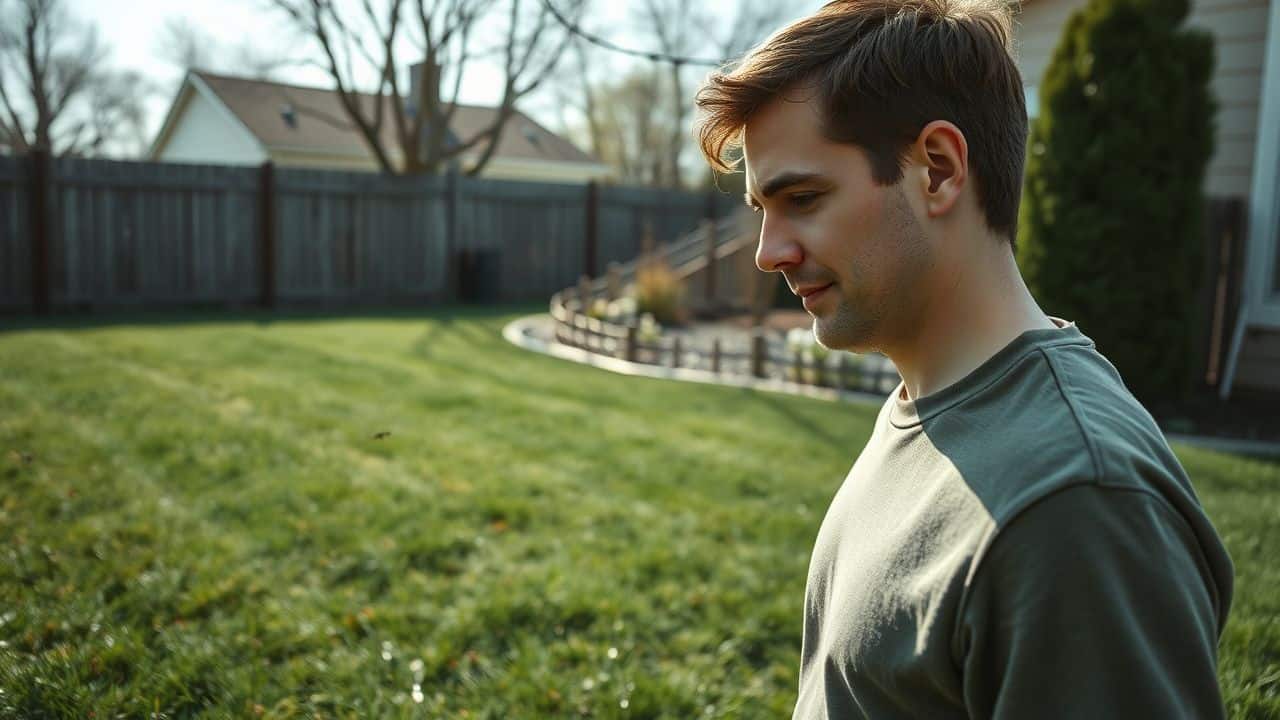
499 374
95 319
783 408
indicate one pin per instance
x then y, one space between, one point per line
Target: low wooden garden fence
575 327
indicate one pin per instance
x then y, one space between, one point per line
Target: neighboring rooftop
300 119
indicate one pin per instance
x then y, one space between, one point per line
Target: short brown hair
882 70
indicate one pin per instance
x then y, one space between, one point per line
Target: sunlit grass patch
403 516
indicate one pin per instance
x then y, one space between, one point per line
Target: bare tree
683 29
621 118
55 94
625 121
190 48
442 34
115 113
185 45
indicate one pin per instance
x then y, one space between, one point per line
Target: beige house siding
1239 30
319 161
571 173
497 168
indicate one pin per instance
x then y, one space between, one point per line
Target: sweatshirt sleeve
1094 602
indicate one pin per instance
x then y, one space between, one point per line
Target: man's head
871 130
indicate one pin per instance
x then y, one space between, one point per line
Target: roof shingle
321 124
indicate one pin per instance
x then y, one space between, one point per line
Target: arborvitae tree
1110 230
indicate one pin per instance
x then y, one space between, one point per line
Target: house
1246 163
239 121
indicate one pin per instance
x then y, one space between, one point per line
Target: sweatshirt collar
907 413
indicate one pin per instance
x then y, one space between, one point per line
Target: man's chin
827 337
837 336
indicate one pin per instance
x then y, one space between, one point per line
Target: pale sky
132 30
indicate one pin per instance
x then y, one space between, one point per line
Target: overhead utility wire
596 40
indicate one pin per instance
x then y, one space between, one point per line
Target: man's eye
803 200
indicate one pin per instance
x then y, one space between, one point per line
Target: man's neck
969 317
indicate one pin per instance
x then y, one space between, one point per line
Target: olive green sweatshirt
1021 544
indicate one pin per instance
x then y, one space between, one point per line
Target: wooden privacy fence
91 233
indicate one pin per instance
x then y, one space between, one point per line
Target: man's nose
777 250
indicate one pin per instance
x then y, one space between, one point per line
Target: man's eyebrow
781 182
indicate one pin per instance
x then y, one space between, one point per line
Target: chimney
415 82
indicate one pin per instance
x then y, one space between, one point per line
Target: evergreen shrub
1110 232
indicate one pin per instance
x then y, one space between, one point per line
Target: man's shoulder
1060 417
1126 444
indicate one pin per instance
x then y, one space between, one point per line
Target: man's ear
944 156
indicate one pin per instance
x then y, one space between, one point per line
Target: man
1016 540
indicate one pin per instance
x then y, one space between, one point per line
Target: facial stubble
872 310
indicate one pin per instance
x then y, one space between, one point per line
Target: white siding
207 133
1239 30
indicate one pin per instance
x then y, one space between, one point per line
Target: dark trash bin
479 274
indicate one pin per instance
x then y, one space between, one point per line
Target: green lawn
203 518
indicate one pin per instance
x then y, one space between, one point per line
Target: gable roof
320 123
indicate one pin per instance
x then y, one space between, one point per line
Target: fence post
613 282
675 351
842 369
267 233
758 352
709 286
797 362
715 356
630 350
591 238
451 288
38 174
584 294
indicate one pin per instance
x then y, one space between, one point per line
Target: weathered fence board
15 235
537 230
626 214
144 233
128 233
356 236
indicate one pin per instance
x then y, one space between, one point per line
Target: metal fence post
715 356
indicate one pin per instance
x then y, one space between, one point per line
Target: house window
1032 95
